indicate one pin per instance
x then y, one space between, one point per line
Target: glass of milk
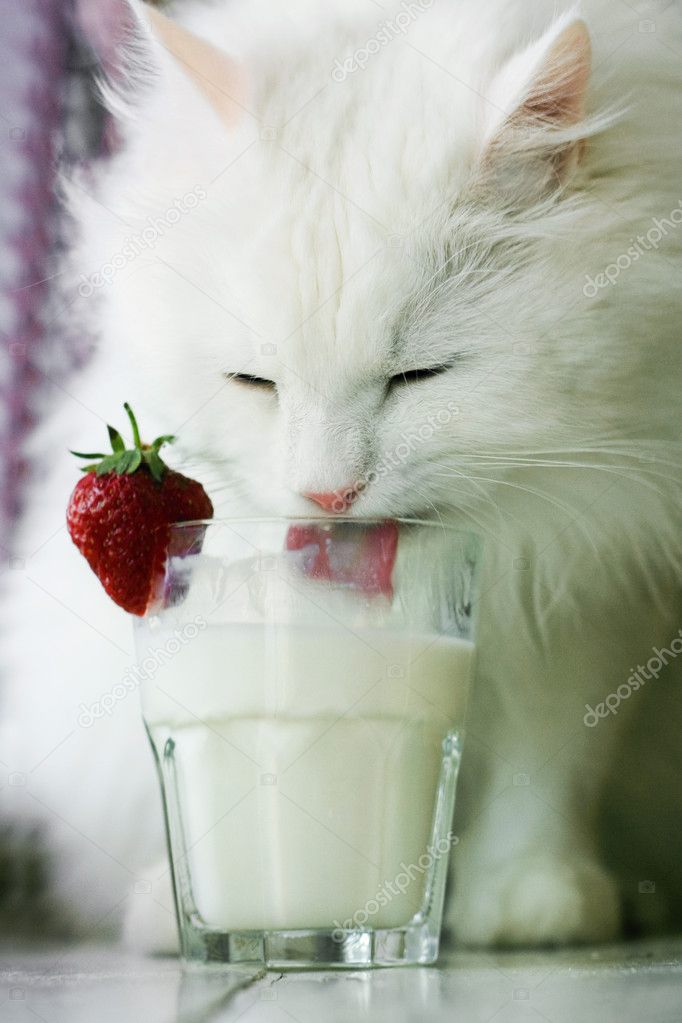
305 711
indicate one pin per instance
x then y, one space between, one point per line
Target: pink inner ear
539 93
557 94
217 76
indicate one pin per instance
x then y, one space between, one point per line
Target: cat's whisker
470 479
627 472
628 475
640 450
560 505
545 457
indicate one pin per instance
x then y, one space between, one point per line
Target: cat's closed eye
410 376
249 380
414 376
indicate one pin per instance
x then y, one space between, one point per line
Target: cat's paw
537 899
149 924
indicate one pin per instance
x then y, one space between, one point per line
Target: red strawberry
120 514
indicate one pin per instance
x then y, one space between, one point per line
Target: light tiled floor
637 983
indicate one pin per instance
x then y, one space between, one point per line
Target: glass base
311 949
413 942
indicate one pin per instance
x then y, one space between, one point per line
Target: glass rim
329 520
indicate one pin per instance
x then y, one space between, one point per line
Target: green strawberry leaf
117 442
134 462
108 464
156 466
123 462
167 438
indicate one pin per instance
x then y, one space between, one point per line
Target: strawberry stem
126 461
133 422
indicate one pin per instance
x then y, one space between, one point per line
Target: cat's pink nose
336 501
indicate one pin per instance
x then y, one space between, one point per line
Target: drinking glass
304 686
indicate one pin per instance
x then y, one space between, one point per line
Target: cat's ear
108 29
217 76
533 140
133 41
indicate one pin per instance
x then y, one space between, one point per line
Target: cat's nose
336 501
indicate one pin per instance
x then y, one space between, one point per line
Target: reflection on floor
613 984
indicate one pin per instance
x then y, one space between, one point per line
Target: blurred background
51 52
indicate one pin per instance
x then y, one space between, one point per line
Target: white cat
305 251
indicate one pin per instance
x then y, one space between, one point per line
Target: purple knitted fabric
32 63
50 52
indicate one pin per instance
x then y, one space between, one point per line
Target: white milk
307 765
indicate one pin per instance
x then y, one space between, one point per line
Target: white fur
328 241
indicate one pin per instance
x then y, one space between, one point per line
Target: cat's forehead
390 140
335 303
341 259
317 231
330 295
